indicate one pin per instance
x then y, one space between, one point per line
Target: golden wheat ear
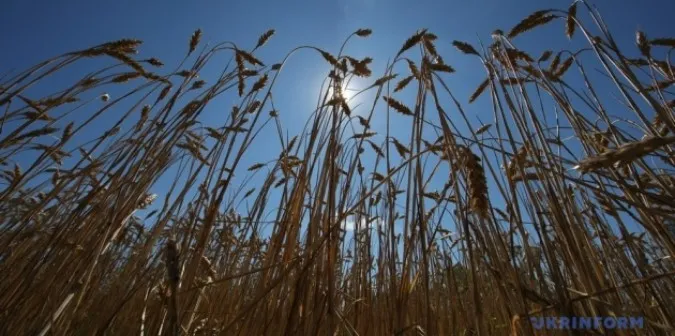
625 154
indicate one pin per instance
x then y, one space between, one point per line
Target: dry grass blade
173 275
165 91
126 77
345 107
642 43
383 80
465 48
564 67
663 42
535 19
402 150
397 105
527 177
364 32
432 195
291 144
363 121
515 54
477 184
260 83
441 67
256 166
264 38
253 108
377 149
155 62
483 129
361 67
67 132
479 90
335 101
32 104
403 83
624 154
364 135
412 41
329 58
429 47
514 81
556 61
413 69
194 40
379 177
123 45
245 56
33 115
570 24
249 192
545 56
34 134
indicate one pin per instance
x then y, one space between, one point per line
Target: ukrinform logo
577 322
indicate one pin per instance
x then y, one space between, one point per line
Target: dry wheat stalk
286 265
625 154
476 182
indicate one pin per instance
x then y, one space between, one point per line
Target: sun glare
348 92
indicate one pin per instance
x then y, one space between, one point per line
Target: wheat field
558 206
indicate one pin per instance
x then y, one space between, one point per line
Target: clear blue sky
34 30
37 29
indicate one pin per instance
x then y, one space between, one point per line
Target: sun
348 91
351 91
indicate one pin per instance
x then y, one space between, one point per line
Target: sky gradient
38 29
